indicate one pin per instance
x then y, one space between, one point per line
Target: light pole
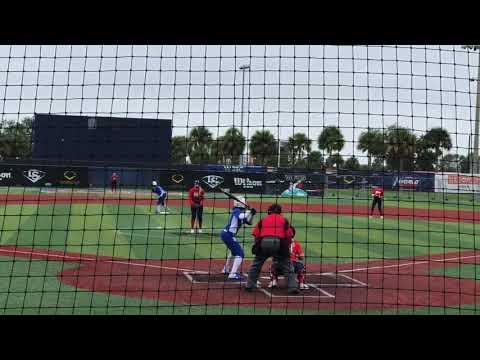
475 169
279 148
243 68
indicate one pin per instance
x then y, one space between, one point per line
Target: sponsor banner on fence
249 183
35 176
457 183
7 176
43 176
413 182
76 177
313 184
408 181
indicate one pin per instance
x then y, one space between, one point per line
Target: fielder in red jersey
377 194
114 181
196 195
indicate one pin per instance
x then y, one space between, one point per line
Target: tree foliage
331 139
16 139
263 147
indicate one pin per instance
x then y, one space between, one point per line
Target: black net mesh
133 179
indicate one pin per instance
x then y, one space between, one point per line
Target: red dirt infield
390 212
392 284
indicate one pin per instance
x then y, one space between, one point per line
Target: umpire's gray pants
281 263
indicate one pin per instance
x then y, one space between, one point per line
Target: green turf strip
403 199
133 232
463 271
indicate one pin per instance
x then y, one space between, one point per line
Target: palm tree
216 151
425 159
179 149
335 159
199 144
331 139
373 143
438 139
263 146
314 160
351 164
400 148
232 145
298 146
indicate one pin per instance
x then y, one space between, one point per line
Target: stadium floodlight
475 166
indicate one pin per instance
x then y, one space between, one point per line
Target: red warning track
391 284
390 212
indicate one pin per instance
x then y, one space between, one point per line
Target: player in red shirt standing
377 194
296 258
196 195
114 181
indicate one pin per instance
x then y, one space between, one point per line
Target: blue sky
289 88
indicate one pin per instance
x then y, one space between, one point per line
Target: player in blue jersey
162 196
238 216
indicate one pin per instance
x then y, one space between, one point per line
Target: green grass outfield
403 199
131 231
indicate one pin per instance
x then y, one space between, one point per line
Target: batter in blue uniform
162 196
237 218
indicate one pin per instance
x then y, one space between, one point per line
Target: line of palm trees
202 148
391 148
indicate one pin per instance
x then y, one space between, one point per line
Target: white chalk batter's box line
355 282
323 294
188 275
326 294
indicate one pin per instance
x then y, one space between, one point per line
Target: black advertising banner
35 175
49 176
247 183
173 180
232 182
72 177
177 180
313 184
7 176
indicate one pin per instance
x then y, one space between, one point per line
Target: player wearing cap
196 196
238 216
162 196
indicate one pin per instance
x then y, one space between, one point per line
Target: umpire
273 235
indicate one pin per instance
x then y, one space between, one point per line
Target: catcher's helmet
274 209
